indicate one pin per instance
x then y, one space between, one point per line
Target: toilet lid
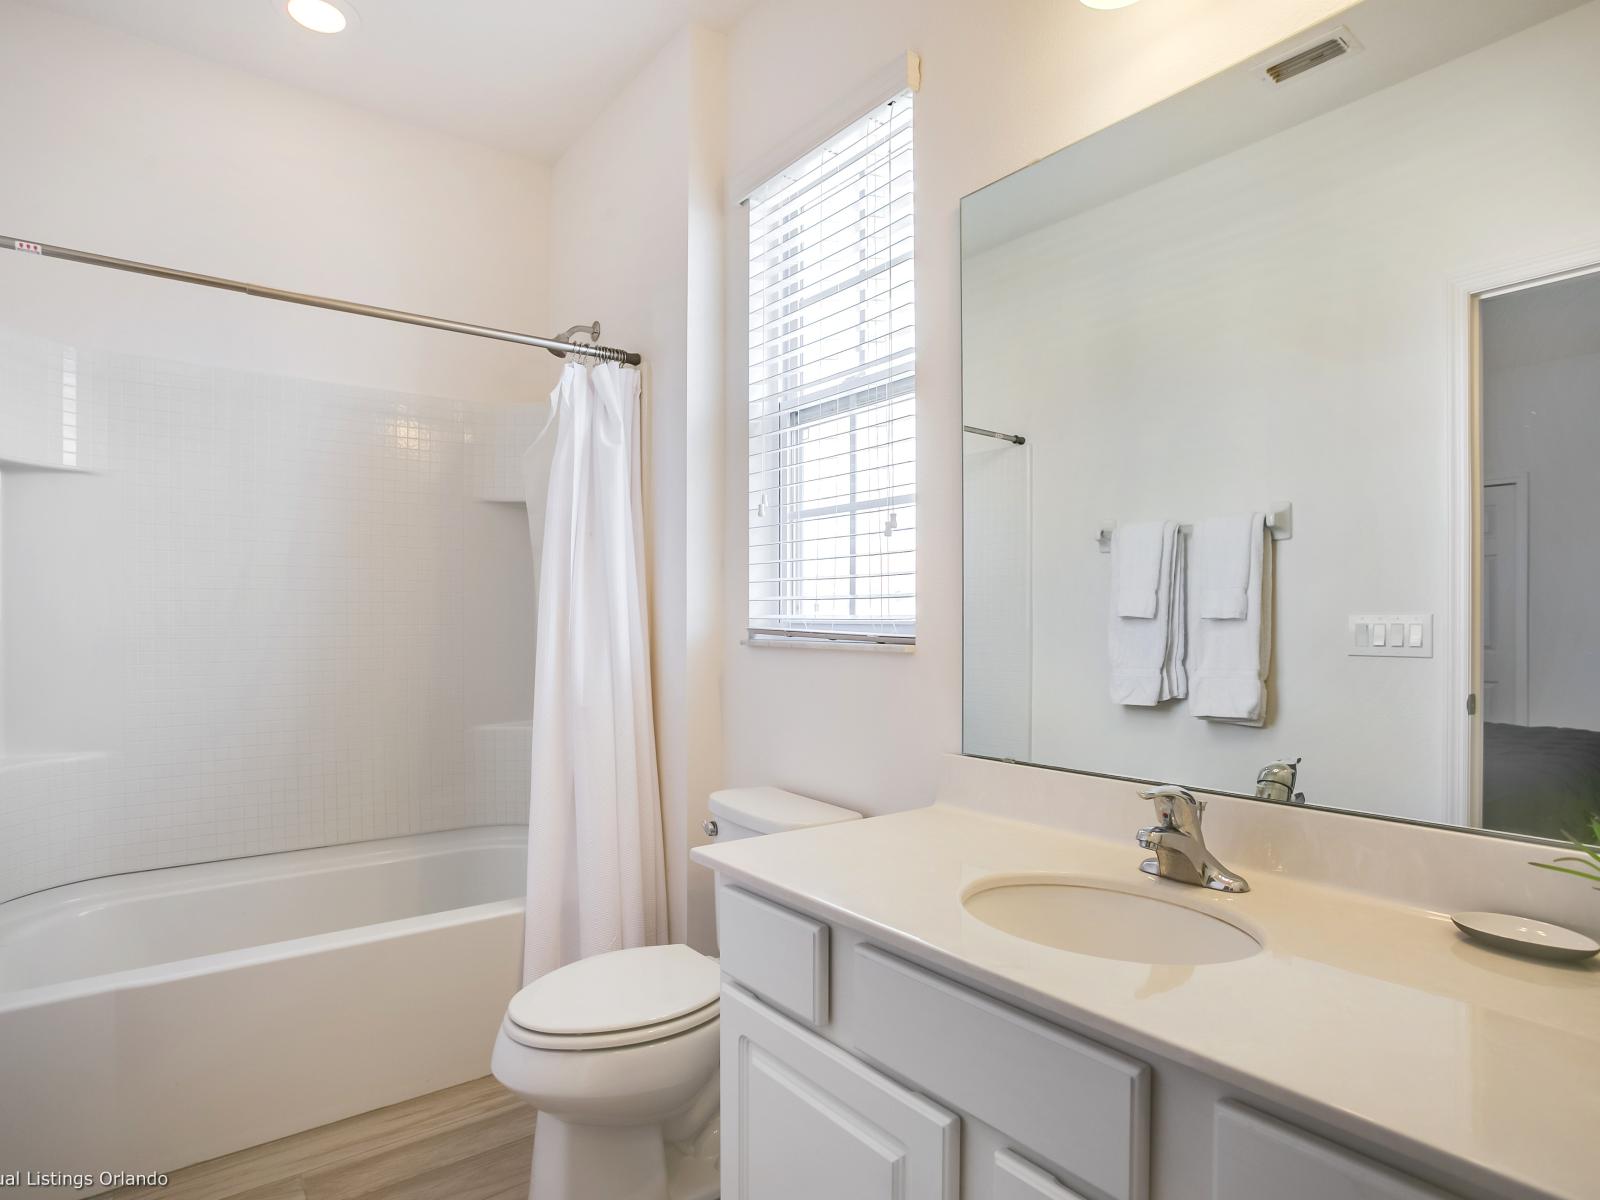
619 991
616 1039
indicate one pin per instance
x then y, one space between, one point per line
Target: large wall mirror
1282 407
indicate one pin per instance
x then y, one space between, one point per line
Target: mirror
1281 402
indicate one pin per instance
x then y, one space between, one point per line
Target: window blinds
832 389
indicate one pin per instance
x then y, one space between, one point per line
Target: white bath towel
1147 652
1229 656
1174 669
1136 566
1221 564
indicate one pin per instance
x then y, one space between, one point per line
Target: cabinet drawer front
1073 1103
777 954
1258 1158
1016 1179
803 1120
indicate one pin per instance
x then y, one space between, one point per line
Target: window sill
797 643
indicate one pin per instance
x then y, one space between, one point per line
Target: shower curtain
596 871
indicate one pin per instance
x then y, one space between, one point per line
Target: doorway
1537 593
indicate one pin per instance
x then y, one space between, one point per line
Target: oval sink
1087 918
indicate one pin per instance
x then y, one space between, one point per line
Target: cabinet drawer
1016 1179
1258 1158
802 1120
777 954
1067 1100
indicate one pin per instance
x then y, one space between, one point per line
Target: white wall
1542 420
636 231
1005 82
997 601
126 148
1268 326
268 605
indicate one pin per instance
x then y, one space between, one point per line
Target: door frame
1520 482
1463 643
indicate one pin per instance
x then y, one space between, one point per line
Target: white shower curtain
596 872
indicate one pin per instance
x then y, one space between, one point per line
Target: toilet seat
613 1039
622 998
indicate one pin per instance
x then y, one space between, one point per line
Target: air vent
1309 57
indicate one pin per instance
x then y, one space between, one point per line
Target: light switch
1390 635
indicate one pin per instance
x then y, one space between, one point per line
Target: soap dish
1522 935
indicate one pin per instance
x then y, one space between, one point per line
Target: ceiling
1237 107
524 75
1542 324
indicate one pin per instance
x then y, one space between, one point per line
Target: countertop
1377 1019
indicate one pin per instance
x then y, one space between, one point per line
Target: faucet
1181 852
1276 781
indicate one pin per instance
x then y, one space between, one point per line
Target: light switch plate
1359 639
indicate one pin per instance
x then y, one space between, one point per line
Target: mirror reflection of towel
1147 651
1230 655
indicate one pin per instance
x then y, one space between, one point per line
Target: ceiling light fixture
318 16
1108 4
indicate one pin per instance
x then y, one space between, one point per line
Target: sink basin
1090 918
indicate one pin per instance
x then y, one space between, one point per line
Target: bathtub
154 1020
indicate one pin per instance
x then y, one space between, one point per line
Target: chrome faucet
1276 781
1181 852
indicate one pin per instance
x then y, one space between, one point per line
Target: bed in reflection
1540 780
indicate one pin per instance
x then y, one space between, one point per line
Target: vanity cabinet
1017 1179
853 1073
1258 1158
803 1120
779 955
1070 1101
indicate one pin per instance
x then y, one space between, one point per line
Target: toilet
619 1052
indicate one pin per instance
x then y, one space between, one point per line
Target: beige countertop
1373 1017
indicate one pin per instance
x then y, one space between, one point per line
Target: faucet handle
1176 806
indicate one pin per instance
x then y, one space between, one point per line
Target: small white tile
277 648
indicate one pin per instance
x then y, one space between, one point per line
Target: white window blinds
833 528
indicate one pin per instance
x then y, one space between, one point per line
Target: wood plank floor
472 1142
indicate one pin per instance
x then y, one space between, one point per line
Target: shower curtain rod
557 346
1015 439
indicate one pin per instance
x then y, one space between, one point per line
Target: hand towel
1145 669
1136 566
1230 655
1222 551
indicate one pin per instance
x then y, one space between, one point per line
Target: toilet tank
746 812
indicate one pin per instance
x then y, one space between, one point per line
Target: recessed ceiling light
318 15
1103 4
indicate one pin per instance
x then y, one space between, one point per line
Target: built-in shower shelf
64 760
18 464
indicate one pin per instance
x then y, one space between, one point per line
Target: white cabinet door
1258 1158
1016 1179
803 1120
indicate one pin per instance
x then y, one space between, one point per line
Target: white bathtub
154 1020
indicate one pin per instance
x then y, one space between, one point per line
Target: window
833 405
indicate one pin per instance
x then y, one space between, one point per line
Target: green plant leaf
1587 856
1590 853
1590 876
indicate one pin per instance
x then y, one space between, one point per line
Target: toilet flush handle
710 828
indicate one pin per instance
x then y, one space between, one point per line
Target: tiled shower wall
242 614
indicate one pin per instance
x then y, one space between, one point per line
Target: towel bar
1280 523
